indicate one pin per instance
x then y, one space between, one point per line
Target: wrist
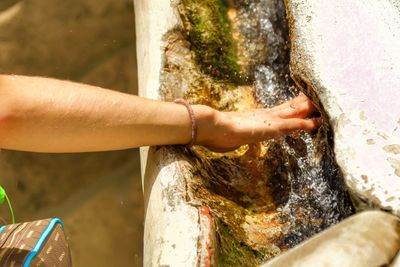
206 120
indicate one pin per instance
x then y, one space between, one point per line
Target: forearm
47 115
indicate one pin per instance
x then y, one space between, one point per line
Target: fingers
299 107
297 110
274 128
237 128
298 99
289 126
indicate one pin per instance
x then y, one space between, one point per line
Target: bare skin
48 115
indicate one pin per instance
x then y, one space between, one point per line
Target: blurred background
97 195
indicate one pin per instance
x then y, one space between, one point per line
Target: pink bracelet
192 118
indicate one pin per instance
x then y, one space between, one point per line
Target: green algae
181 76
231 252
209 32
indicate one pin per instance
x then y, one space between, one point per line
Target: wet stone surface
358 88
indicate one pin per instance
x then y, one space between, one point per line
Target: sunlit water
317 197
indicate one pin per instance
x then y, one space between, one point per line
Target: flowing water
316 189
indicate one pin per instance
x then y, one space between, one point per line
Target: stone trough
246 207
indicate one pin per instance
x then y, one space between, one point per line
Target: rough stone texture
368 239
172 229
152 20
173 233
347 54
97 195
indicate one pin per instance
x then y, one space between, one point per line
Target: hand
226 131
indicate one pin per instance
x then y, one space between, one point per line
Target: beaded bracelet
192 118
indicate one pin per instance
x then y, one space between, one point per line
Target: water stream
317 197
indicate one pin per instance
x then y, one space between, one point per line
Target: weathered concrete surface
368 239
172 226
152 20
347 52
175 232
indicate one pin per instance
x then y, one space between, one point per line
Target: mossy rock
231 252
209 32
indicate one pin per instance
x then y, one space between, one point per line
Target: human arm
48 115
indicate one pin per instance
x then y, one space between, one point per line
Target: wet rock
345 53
208 30
368 239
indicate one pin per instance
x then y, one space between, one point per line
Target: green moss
233 253
209 32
